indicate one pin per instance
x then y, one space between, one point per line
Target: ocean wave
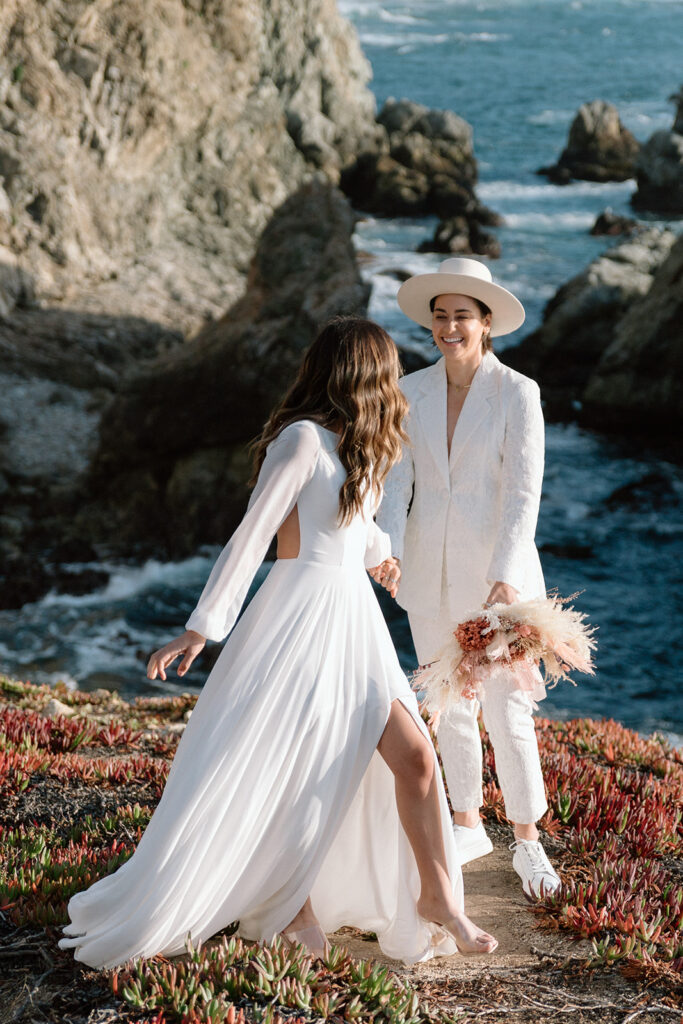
481 37
550 221
395 39
545 117
490 190
349 8
396 19
128 581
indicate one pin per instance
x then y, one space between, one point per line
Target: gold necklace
461 387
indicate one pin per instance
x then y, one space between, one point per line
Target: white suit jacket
473 514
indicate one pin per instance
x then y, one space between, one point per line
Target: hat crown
465 267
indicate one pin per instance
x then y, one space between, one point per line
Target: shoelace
534 852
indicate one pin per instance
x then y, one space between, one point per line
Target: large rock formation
424 163
599 148
637 384
583 320
458 235
145 146
147 151
172 463
168 466
610 223
659 169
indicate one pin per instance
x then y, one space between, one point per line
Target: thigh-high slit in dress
277 791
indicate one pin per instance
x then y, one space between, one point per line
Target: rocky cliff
637 384
659 168
144 151
609 350
173 460
161 163
162 465
145 146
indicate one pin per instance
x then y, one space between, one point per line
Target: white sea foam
349 8
550 221
397 19
127 581
545 117
397 40
482 37
492 190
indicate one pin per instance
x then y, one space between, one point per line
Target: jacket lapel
479 405
430 408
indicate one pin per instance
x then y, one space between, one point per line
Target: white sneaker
530 861
471 842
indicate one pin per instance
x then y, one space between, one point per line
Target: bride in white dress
305 794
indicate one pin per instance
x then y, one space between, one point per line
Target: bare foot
305 929
469 938
304 919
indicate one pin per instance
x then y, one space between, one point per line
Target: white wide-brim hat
461 276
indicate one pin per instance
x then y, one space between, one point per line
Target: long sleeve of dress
288 466
398 492
522 478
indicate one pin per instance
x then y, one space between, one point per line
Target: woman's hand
502 593
190 644
388 575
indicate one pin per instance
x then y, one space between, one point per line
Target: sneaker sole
526 886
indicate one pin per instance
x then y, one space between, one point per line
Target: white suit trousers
508 717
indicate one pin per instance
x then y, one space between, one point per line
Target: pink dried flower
470 635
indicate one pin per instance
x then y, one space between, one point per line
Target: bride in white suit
461 510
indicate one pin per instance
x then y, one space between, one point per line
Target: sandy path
494 899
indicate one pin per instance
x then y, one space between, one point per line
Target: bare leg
525 831
410 757
470 819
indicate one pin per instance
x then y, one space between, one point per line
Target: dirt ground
534 976
495 901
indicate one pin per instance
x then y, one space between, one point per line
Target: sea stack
599 147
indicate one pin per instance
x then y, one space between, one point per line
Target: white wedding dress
276 791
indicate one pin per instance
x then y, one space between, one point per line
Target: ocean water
610 525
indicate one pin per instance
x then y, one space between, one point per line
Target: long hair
348 382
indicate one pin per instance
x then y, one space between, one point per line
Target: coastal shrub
614 822
210 983
615 806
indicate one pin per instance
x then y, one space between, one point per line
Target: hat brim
415 294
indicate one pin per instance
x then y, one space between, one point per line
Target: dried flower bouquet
510 638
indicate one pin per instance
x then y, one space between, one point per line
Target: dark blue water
610 523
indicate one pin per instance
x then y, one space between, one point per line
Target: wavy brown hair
348 382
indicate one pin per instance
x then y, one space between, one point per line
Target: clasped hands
387 574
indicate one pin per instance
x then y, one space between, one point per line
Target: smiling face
458 326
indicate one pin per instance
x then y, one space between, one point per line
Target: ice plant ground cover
79 781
